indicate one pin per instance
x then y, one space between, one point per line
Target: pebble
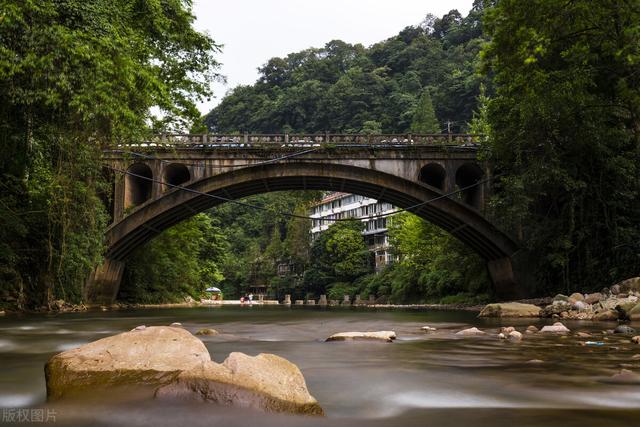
515 336
176 324
471 331
557 327
507 330
207 331
428 329
139 328
532 361
624 329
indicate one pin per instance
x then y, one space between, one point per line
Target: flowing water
434 379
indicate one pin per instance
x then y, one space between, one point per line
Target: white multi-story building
344 205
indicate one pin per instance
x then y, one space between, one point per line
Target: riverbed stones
593 298
556 328
266 382
471 332
515 336
387 336
149 356
575 297
510 309
428 329
624 329
507 330
207 331
531 329
634 313
606 315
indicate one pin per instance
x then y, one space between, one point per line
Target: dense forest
555 87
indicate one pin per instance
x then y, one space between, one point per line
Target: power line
292 215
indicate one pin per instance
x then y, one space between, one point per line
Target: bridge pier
511 277
102 285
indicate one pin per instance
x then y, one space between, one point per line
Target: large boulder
634 313
471 332
632 284
265 382
387 336
510 309
144 356
170 361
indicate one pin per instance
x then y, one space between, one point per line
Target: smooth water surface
436 379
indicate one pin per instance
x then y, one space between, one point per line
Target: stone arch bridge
167 179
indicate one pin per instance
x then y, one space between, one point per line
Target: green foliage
424 119
74 76
184 260
565 129
349 88
339 254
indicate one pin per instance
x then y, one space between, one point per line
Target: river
421 379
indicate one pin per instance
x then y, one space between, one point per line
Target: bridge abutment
103 284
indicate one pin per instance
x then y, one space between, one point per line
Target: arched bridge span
403 174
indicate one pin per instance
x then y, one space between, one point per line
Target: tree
424 118
74 77
565 128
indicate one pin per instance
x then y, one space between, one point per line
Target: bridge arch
137 185
175 205
433 174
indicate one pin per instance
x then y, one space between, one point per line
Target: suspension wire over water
292 215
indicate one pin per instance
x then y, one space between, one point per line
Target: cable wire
292 215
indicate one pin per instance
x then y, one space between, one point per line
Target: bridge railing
247 140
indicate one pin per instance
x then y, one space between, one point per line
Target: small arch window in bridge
176 174
138 184
434 175
467 175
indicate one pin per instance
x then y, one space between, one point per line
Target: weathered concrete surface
102 285
390 174
265 382
145 356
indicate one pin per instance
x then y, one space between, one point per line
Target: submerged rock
471 332
531 329
387 336
557 328
510 309
149 356
624 329
515 336
207 331
636 340
266 382
176 325
428 329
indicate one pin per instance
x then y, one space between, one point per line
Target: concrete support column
287 299
103 284
510 277
118 198
323 300
156 187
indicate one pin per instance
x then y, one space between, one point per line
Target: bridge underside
462 221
